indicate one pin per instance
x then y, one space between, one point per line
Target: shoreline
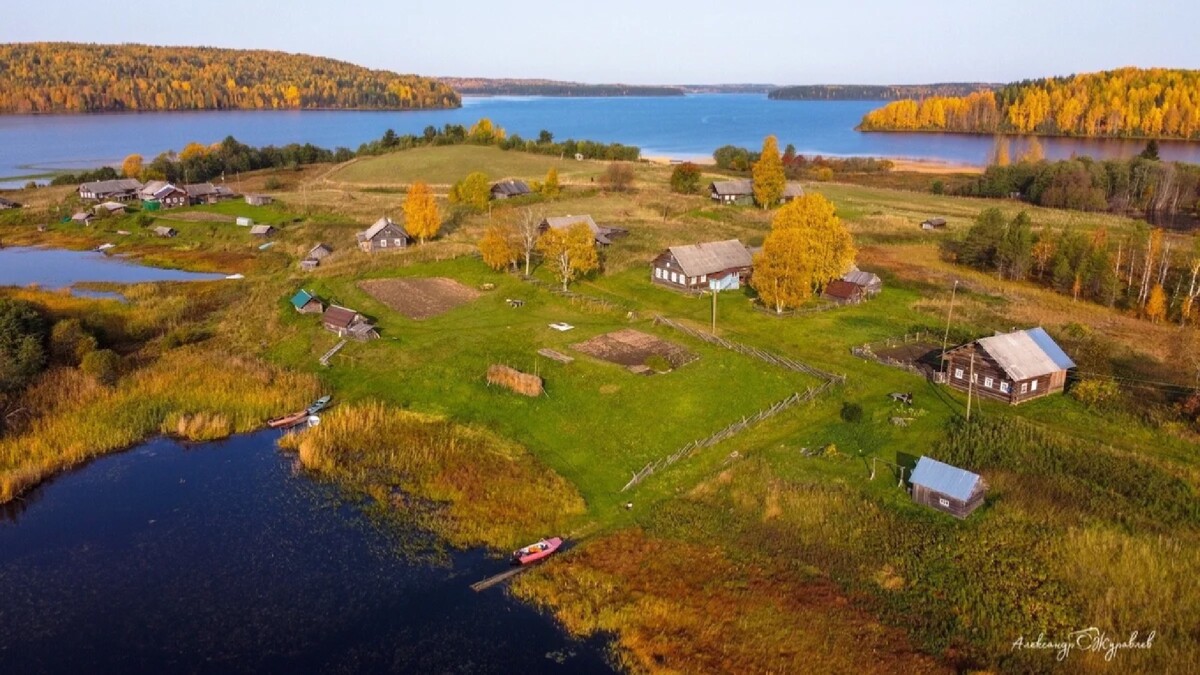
900 164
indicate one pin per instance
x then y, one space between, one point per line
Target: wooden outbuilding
207 193
110 208
165 231
871 283
319 252
507 189
347 323
844 292
947 488
741 191
306 302
384 234
262 230
83 218
1010 367
259 200
603 235
933 224
714 265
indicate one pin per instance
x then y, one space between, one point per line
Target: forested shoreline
54 77
1124 103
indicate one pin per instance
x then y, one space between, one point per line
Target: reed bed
192 392
466 484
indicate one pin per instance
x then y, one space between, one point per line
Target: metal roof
111 186
739 187
378 227
340 317
1026 354
511 188
711 257
864 279
941 477
301 298
843 290
262 229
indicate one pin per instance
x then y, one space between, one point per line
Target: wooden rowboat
535 552
288 420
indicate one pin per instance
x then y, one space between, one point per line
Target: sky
663 41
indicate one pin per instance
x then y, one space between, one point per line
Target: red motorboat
535 552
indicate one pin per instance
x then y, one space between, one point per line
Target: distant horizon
857 42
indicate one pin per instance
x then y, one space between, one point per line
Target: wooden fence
773 359
732 429
572 295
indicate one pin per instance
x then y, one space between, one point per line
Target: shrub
685 178
658 363
938 187
851 412
617 177
273 183
472 192
22 334
1096 392
103 365
70 342
824 174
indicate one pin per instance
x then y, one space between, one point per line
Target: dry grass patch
419 298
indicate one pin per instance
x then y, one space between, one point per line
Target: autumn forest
1129 102
70 77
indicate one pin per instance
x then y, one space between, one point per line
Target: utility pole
970 384
946 335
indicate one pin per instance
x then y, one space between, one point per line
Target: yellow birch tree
422 217
499 247
569 252
808 247
769 179
132 166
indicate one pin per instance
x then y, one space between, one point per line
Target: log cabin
947 488
1011 367
118 190
384 234
714 265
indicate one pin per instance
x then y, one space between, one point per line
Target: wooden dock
498 578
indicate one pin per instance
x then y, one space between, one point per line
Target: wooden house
603 235
262 231
167 195
384 234
307 303
507 189
259 200
871 283
714 265
947 488
933 224
1012 367
83 218
320 252
165 231
347 323
109 208
207 193
118 190
741 191
844 292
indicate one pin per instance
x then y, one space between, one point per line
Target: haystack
510 378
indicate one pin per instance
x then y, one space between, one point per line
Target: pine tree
422 217
769 178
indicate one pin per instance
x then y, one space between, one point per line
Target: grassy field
787 547
445 165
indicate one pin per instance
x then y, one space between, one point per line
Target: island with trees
61 77
874 92
1123 103
481 86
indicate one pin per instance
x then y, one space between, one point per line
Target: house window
674 278
398 242
974 378
703 278
1024 387
1004 387
944 502
383 243
657 272
1033 386
987 382
958 373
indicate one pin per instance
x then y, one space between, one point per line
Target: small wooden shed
844 292
933 224
165 231
947 488
262 230
259 200
306 302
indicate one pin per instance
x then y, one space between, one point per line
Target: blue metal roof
301 298
948 480
1050 347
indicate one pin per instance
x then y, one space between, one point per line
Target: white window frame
987 382
944 502
1033 385
383 243
703 278
1024 387
958 373
975 378
399 243
658 272
1004 388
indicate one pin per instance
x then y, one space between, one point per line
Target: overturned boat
535 552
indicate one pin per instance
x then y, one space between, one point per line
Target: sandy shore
901 164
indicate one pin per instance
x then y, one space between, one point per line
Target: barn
507 189
714 265
947 488
1011 367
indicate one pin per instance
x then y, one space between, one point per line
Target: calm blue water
57 268
222 558
689 126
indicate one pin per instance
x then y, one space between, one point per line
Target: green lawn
445 165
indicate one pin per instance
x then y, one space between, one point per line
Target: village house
165 231
347 323
947 488
83 218
714 265
8 204
933 224
262 231
384 234
306 302
507 189
259 200
844 292
1011 367
741 191
109 208
603 235
871 283
118 190
314 257
165 194
207 193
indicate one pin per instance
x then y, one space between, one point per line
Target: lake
683 127
52 268
225 558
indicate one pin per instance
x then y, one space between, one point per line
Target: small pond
53 268
224 558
